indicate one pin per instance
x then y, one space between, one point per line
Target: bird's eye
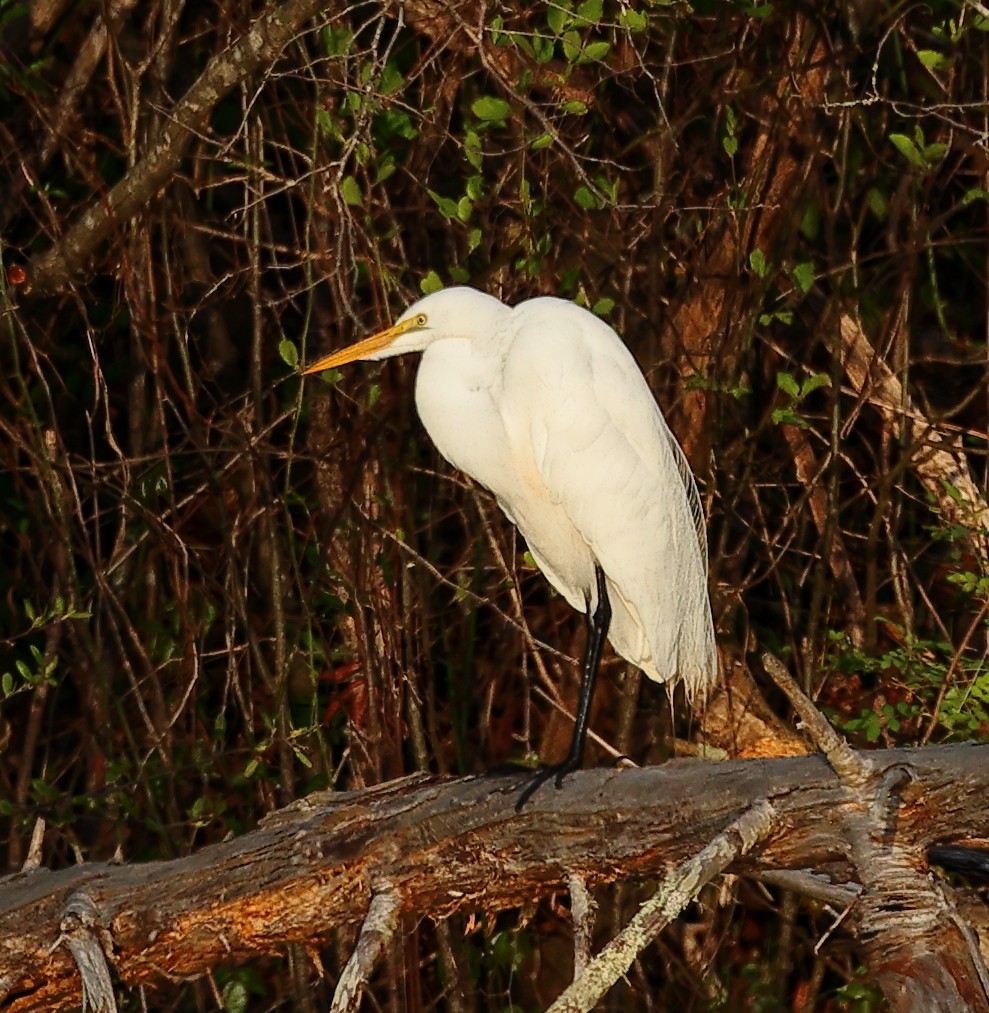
421 320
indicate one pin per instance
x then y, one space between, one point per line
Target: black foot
555 770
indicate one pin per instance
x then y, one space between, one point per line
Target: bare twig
378 928
81 935
679 888
582 908
941 469
847 764
256 49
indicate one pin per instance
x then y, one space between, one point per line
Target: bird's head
458 312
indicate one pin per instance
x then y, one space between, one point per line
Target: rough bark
437 846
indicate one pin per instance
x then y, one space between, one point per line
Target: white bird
544 406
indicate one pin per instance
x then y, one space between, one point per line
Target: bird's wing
606 456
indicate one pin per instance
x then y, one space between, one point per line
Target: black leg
597 630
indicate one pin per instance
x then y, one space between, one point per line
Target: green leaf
932 59
788 384
609 186
235 997
7 683
933 153
525 44
447 205
575 107
543 48
583 198
386 167
327 125
557 15
594 51
730 144
803 276
542 141
810 221
472 148
591 11
878 204
487 107
431 283
351 192
391 80
908 149
814 382
29 610
473 240
603 307
632 21
288 352
336 41
757 261
498 37
973 195
571 45
788 417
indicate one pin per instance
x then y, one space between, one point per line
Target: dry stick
582 908
378 929
34 851
677 891
87 59
81 935
846 763
810 474
257 48
941 468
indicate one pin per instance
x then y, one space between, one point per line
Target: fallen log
441 845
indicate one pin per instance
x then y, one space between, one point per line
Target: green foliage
797 393
860 996
32 669
932 679
288 352
916 151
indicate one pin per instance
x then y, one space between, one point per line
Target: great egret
544 406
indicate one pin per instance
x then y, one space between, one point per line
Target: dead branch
902 913
443 845
256 49
941 468
675 893
378 929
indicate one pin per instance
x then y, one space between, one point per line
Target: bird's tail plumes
698 657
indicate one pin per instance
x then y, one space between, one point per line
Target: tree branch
448 845
676 892
256 49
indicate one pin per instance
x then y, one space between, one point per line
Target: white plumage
544 405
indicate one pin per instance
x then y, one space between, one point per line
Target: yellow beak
361 349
